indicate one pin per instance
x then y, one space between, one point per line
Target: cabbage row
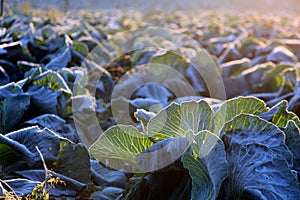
119 110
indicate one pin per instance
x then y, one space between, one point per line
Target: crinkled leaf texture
279 115
236 106
292 140
208 166
256 172
247 129
118 147
177 119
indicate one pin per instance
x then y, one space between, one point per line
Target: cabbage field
113 104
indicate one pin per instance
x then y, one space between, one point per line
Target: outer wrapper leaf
247 129
118 147
176 120
257 173
292 140
208 167
236 106
279 115
13 104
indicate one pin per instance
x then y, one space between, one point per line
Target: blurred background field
267 6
